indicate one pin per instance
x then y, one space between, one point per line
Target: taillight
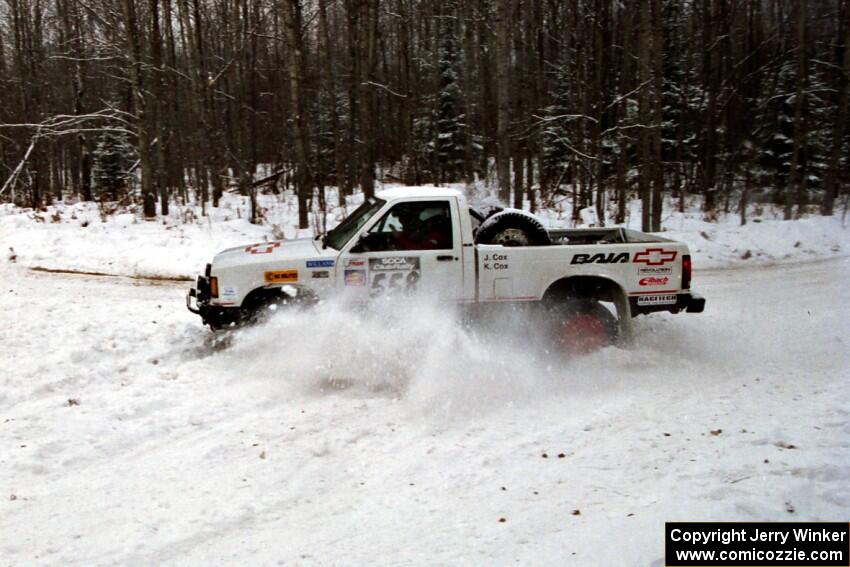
686 271
213 287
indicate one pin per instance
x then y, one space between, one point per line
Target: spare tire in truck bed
512 228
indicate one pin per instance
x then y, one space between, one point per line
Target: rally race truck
588 282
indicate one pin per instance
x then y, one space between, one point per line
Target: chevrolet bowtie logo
654 257
262 248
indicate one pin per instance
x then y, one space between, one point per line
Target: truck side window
422 225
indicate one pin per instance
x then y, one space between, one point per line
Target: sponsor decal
262 248
654 281
394 264
281 276
320 263
321 274
349 263
660 299
229 291
654 256
496 262
355 278
395 274
610 258
655 271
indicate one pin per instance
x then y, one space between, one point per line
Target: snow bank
78 237
762 241
131 437
766 239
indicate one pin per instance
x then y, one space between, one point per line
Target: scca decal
610 258
655 257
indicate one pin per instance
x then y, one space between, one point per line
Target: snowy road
127 438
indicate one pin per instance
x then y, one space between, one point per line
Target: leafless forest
599 101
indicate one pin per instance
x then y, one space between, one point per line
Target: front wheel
264 303
583 326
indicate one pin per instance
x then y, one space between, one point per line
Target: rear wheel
583 326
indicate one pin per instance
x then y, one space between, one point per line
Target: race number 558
395 282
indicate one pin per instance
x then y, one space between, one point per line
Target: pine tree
424 143
555 134
450 117
113 158
776 135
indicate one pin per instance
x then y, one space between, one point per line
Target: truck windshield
338 236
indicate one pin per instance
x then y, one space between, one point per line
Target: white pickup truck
427 240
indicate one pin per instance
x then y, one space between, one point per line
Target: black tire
581 326
262 304
512 228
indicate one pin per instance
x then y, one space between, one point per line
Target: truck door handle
446 258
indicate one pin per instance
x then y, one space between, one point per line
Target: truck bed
615 235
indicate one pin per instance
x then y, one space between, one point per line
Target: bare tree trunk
518 177
352 12
295 64
330 75
838 128
134 55
503 155
71 21
529 183
367 42
657 118
469 92
157 94
710 127
797 180
646 116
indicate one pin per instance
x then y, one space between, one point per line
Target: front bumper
198 302
689 302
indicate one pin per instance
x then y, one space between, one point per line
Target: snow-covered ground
76 236
128 436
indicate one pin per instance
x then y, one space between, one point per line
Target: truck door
414 248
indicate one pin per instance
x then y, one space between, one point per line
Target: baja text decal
394 274
355 278
262 248
654 281
320 263
655 256
281 276
610 258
